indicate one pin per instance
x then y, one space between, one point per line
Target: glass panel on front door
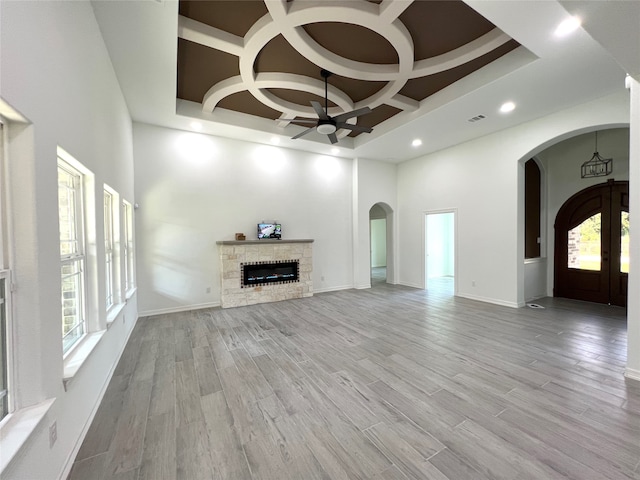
584 244
624 242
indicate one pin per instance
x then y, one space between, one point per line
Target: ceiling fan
328 125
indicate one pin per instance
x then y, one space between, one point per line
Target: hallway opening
440 261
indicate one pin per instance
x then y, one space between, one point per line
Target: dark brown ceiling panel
353 42
299 98
232 16
200 67
421 88
356 89
377 115
438 27
279 56
244 102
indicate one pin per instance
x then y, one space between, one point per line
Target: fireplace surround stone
235 253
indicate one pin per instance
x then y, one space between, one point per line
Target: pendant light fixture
597 166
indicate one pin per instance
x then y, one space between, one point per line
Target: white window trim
80 256
17 427
5 304
118 298
129 245
111 284
6 254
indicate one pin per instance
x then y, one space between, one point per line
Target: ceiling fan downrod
325 74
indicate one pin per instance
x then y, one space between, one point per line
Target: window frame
77 258
109 250
7 404
6 399
128 249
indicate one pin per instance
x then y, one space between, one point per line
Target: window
129 261
624 242
109 250
584 244
4 346
72 256
5 279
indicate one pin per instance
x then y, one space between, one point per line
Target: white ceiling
141 37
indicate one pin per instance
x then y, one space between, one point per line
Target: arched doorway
379 243
591 245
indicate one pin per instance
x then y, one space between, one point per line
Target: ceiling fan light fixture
326 128
326 124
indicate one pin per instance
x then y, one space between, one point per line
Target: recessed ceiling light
335 150
197 126
416 143
568 26
507 107
275 140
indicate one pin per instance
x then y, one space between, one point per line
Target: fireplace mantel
236 253
262 242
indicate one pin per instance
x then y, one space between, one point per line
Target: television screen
269 230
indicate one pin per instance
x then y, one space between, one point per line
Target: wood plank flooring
386 383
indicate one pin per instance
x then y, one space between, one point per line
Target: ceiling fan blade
354 128
298 120
333 138
319 110
353 113
308 130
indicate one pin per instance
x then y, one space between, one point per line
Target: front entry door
591 245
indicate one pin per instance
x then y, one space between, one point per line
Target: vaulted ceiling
431 70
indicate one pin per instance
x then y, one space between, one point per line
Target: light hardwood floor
386 383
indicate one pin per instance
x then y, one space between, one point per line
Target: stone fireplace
259 271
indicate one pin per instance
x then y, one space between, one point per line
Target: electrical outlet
208 289
473 283
53 434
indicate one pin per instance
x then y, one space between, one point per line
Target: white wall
195 189
633 302
56 72
374 183
488 180
457 179
562 163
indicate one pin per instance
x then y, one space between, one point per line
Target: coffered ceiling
431 70
263 58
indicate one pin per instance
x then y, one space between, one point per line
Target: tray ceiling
263 58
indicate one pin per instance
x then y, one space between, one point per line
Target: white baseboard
632 374
412 285
533 299
494 301
333 289
185 308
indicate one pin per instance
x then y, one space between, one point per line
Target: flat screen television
269 230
